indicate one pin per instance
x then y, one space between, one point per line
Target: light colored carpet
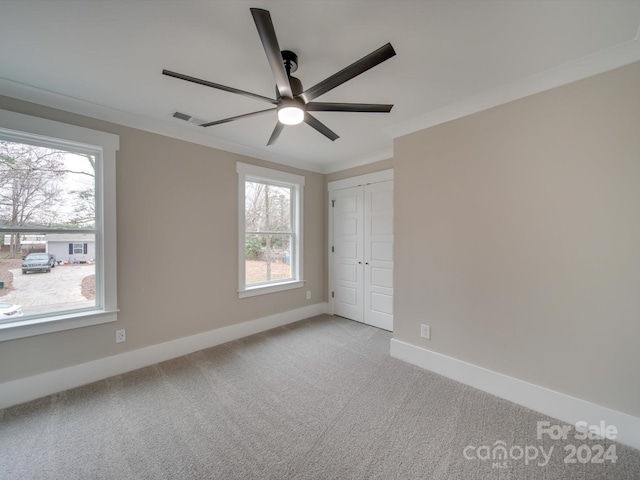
319 399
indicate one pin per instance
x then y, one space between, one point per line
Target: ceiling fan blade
237 117
319 126
218 86
365 63
348 107
276 133
262 19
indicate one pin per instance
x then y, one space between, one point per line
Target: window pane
44 187
279 209
267 207
43 277
270 234
46 270
268 258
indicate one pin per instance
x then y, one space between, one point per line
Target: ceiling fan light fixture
290 114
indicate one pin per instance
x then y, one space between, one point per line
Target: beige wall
523 223
177 244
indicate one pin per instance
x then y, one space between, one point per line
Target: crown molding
179 131
605 60
600 62
371 157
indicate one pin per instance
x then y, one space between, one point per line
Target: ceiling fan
293 104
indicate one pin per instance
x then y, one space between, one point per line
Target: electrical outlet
121 336
308 294
425 331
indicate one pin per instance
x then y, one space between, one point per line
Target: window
269 230
57 226
79 248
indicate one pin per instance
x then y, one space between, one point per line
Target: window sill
264 289
55 323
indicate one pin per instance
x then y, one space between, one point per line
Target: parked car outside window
38 262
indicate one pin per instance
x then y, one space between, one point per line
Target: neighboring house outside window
80 248
270 230
57 219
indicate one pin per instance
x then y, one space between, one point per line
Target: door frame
357 181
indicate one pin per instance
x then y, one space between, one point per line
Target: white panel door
348 232
378 255
363 254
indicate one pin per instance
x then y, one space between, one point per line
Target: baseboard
30 388
549 402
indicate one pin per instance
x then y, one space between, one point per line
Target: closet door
378 255
348 255
363 254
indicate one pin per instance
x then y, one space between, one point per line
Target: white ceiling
104 58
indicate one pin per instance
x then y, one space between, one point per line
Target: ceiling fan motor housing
296 87
290 60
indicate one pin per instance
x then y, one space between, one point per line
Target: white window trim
15 125
253 172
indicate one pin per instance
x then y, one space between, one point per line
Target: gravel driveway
38 292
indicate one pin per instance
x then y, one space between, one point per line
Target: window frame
39 131
247 172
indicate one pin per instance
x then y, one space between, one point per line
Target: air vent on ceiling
182 116
188 118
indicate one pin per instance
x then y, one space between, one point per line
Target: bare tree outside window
84 193
267 232
44 187
30 189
